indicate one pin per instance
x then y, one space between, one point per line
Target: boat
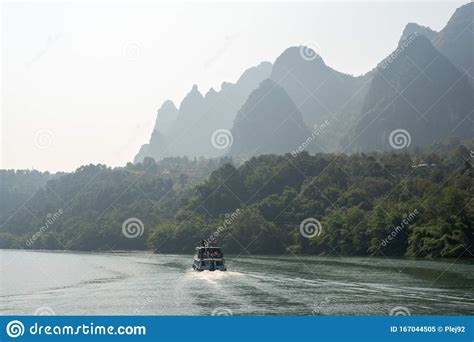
210 258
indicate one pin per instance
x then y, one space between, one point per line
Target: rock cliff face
187 131
424 87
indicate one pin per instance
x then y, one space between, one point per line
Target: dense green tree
386 204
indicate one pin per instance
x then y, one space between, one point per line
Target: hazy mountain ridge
455 40
198 116
321 93
268 122
422 87
419 91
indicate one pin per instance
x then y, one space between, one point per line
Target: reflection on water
149 284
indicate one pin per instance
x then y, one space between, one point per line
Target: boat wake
211 277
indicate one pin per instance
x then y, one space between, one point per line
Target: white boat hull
209 265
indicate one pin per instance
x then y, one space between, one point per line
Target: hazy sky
82 82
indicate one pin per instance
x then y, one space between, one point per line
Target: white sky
81 83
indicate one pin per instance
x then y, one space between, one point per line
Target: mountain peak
455 39
211 92
226 85
414 28
249 75
165 116
167 105
466 12
299 54
268 122
416 44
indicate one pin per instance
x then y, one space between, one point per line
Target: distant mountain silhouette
425 86
188 131
320 92
269 122
414 29
165 117
419 90
455 40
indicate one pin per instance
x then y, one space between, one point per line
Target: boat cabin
209 258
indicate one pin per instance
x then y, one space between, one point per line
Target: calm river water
149 284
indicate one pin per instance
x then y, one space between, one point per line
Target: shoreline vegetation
464 260
416 204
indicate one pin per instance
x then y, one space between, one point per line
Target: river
141 283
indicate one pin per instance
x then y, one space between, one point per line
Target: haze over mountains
187 131
424 87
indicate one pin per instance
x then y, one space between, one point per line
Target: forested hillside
364 204
85 210
359 201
